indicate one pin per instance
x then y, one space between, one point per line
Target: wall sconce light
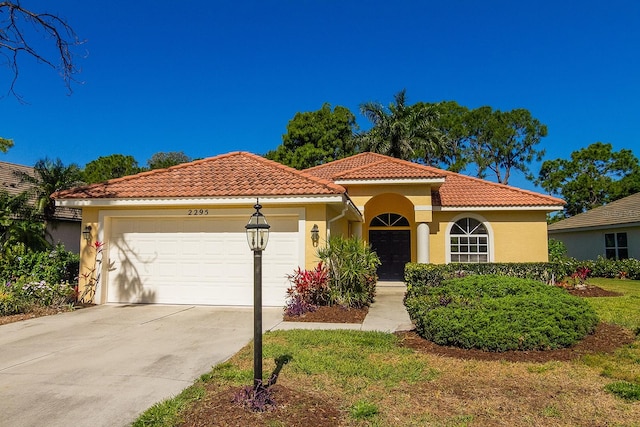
86 233
315 234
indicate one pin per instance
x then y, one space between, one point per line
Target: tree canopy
316 137
592 177
402 131
489 140
162 160
50 176
105 168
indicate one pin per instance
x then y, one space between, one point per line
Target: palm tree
405 132
20 225
50 176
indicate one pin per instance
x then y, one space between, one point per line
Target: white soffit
79 203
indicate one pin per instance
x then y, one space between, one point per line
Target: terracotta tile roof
388 169
460 190
623 211
233 174
11 182
456 191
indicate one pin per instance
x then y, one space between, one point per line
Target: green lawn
374 382
623 310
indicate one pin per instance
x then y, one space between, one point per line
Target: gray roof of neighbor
10 182
623 211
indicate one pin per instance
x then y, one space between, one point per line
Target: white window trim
447 235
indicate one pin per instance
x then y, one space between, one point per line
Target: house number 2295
198 212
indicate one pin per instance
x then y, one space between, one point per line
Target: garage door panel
195 261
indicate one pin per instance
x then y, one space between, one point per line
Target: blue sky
210 77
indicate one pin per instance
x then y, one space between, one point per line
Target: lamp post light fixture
315 235
257 236
86 233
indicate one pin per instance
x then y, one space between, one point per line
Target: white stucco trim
200 201
487 224
496 208
395 181
423 208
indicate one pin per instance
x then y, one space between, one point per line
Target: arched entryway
390 238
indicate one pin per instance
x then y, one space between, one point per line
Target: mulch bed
593 291
333 314
294 408
606 339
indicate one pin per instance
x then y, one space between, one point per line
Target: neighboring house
65 228
177 235
610 231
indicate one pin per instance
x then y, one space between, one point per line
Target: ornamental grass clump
352 266
496 313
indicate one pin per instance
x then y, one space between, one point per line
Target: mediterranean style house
610 231
177 235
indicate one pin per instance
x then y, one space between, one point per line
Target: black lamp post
257 237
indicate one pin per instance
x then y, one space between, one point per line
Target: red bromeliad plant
92 276
579 278
308 290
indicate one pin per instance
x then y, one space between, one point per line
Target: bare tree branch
17 27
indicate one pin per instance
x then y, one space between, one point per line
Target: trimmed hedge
497 313
602 267
421 276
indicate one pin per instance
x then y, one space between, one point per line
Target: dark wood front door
394 250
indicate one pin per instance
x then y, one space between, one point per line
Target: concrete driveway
103 366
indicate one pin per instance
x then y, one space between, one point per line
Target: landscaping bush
496 313
352 271
37 279
53 266
309 289
601 267
420 277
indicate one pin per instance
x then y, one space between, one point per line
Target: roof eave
575 229
200 201
498 208
392 181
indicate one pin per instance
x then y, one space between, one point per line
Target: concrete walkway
104 365
386 314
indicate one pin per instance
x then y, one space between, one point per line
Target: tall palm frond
50 176
405 132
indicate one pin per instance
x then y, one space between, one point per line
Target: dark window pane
377 222
483 258
481 229
464 248
473 249
622 240
454 240
483 240
454 249
623 253
611 254
609 240
483 249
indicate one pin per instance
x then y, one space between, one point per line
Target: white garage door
204 260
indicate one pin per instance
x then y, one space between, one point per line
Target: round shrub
498 313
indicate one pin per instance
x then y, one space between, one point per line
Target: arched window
389 220
469 241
